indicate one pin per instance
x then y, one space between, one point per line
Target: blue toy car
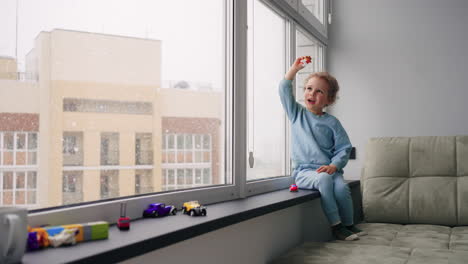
159 209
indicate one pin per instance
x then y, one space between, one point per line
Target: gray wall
402 67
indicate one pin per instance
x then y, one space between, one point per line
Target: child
320 147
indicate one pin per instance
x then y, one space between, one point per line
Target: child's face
316 95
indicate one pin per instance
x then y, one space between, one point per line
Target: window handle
251 159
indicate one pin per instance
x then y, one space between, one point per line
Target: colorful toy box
85 232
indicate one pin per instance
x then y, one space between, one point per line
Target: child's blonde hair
333 86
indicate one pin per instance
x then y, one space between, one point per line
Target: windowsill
150 234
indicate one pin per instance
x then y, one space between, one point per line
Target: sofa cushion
388 243
421 180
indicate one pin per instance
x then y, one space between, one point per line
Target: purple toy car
159 209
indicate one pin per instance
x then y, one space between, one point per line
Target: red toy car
293 188
124 222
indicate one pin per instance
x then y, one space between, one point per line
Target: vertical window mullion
1 149
14 148
13 201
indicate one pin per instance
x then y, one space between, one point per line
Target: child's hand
298 65
330 169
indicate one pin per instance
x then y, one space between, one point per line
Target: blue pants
335 195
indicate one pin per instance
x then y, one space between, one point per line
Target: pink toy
293 188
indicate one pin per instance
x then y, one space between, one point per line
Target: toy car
193 208
293 188
159 209
124 221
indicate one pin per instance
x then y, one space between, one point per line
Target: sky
191 31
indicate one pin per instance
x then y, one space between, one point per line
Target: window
109 184
266 123
18 168
138 109
143 181
187 161
72 148
144 149
18 188
72 187
316 7
109 148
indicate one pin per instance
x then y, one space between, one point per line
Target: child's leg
343 199
323 182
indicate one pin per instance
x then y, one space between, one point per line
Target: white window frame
235 162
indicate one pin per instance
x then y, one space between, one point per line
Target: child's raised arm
298 65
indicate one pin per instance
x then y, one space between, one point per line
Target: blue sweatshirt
316 140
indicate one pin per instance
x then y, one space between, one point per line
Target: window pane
307 46
143 181
109 184
180 177
189 176
131 96
20 141
316 7
170 141
20 197
72 148
266 120
32 158
188 141
8 158
206 141
32 141
170 177
180 141
8 139
20 180
144 149
20 158
110 148
7 180
32 180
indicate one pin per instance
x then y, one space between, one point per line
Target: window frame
235 144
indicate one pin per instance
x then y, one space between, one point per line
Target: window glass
72 187
144 149
316 7
307 46
266 122
136 98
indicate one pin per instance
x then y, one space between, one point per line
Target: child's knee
324 178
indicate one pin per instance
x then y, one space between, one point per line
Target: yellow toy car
193 208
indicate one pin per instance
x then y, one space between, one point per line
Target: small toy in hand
293 188
124 222
159 209
193 208
306 60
